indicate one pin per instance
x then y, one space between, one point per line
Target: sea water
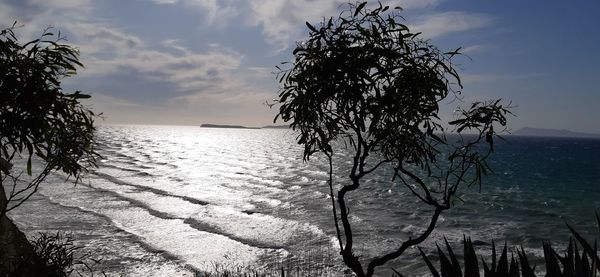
171 201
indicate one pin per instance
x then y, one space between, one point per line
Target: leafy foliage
54 255
37 118
573 263
365 80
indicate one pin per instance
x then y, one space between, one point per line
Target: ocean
174 200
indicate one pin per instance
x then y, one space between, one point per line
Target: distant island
244 127
524 132
226 126
539 132
276 127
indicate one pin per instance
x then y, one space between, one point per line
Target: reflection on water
170 200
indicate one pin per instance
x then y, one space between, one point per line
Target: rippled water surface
169 201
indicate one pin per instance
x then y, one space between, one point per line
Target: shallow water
169 200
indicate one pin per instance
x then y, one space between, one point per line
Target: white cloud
211 83
244 106
217 12
439 24
474 49
282 21
33 16
62 4
175 44
94 38
188 71
215 86
107 51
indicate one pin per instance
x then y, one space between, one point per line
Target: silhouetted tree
38 121
363 80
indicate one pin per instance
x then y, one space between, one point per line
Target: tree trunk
14 246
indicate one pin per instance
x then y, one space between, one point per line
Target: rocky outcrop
14 246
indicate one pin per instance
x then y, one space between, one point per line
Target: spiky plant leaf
432 269
579 266
487 272
552 266
586 265
493 265
455 265
598 222
471 264
502 269
594 258
514 267
586 246
445 265
526 269
567 261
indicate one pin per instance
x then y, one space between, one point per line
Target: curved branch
347 254
349 258
365 172
411 242
413 191
424 187
335 218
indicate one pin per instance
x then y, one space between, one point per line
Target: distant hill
539 132
226 126
276 127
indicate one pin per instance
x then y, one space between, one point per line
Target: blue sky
188 62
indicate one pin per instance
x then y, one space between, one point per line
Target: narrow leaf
432 269
359 8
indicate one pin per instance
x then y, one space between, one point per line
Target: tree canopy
364 79
38 120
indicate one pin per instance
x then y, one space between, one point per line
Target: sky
188 62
